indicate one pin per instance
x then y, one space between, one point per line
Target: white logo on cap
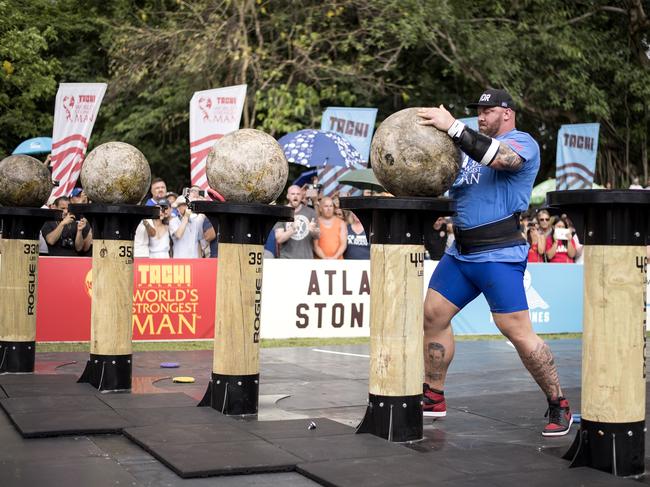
485 97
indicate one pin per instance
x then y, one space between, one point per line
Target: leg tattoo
541 366
436 356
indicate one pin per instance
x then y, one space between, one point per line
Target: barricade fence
174 299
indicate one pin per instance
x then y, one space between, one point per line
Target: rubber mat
59 423
54 388
13 379
22 385
137 401
184 434
223 458
341 447
61 415
295 428
166 416
33 404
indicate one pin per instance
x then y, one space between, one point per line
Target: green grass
267 343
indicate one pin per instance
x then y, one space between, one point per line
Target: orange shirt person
333 233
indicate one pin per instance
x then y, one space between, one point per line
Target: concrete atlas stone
411 159
247 166
24 181
115 173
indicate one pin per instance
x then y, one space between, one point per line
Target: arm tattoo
436 361
541 366
506 159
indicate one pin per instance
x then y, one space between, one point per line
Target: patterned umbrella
317 148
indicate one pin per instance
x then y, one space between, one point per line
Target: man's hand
313 226
81 224
188 213
69 218
438 117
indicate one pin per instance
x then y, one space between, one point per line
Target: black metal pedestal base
394 418
617 448
233 395
17 357
108 372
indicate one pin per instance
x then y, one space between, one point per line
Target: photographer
560 244
537 243
158 232
186 230
67 237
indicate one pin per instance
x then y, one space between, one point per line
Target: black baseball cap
494 98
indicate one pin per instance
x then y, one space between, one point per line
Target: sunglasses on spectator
543 219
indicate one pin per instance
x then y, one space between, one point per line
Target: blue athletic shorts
502 283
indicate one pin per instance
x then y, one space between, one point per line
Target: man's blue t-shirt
484 195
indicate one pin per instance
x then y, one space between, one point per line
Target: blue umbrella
305 177
317 148
38 145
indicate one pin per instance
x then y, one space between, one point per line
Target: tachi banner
577 147
173 299
213 114
75 112
357 126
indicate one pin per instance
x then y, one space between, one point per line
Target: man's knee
437 312
515 326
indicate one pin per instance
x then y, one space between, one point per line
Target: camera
562 234
186 192
314 186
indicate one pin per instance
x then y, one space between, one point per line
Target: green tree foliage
564 62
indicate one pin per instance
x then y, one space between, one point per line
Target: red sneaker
560 418
433 403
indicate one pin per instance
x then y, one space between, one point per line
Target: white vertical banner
213 114
75 112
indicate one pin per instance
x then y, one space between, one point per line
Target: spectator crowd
321 229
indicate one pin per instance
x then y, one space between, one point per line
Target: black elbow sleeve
482 148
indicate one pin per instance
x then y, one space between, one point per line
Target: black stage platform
304 433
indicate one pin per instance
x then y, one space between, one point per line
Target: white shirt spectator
141 242
187 247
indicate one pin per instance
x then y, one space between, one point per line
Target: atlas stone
410 159
247 166
115 173
24 181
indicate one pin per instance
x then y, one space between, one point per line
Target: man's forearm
180 231
484 149
79 241
283 236
52 237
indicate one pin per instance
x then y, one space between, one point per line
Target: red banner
172 299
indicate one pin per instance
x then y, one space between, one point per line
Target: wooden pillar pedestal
242 230
395 227
109 367
616 225
19 285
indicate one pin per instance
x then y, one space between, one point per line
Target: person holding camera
158 232
66 238
560 244
537 244
186 230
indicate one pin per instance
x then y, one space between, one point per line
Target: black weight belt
491 236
